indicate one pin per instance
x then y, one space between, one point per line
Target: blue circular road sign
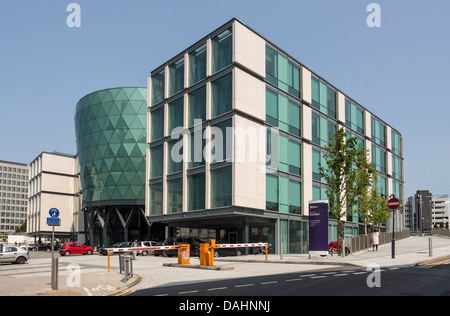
54 212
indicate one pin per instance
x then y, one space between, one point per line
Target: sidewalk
408 252
150 271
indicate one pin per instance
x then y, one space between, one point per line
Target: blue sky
399 71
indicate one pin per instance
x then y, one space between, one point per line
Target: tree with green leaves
347 174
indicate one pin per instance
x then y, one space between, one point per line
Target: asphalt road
432 279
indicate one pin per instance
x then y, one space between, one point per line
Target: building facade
110 128
236 129
440 210
13 196
55 183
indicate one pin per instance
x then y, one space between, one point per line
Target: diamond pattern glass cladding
110 128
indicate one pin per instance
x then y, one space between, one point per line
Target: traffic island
198 266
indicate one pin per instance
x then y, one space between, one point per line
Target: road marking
342 274
162 295
292 280
244 285
308 275
327 273
188 292
319 277
270 282
356 273
217 288
87 291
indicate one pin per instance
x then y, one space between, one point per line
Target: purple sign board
318 227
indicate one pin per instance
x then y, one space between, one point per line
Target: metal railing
362 242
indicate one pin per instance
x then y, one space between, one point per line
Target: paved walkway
33 277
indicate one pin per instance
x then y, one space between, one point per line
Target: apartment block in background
13 196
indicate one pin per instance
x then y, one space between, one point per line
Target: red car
72 248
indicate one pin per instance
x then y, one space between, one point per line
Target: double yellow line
433 262
121 293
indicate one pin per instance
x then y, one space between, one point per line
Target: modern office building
111 144
13 196
55 183
236 128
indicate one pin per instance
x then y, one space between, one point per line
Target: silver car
13 254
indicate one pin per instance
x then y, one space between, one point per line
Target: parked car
123 244
142 244
43 247
194 248
158 252
75 248
224 252
13 254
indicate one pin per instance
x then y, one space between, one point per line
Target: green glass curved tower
110 127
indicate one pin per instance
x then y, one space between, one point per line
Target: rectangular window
197 106
175 156
197 65
354 117
282 73
271 193
222 50
294 158
293 80
156 199
157 121
294 118
158 87
176 115
322 130
271 107
196 188
295 197
317 158
396 168
156 161
378 132
319 193
176 77
221 187
323 97
196 147
379 158
271 66
175 196
283 119
222 95
395 143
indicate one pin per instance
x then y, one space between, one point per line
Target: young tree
346 174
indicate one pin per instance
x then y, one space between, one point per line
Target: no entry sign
393 203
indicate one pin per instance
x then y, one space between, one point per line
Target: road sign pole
393 204
393 234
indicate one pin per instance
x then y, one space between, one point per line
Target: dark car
224 252
124 244
194 248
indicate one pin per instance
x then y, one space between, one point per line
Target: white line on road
217 289
244 285
270 282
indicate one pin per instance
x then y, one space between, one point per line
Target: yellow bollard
109 261
212 245
183 253
266 252
203 251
